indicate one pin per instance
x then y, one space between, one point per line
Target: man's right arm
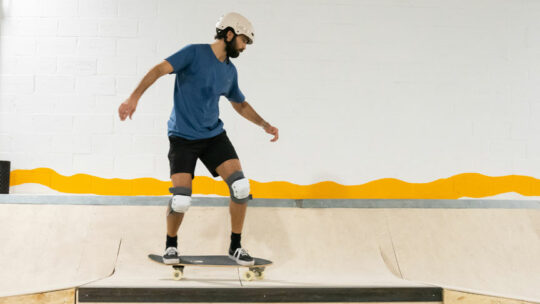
127 108
159 70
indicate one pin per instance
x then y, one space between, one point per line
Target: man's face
241 43
237 46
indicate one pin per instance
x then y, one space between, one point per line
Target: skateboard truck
254 273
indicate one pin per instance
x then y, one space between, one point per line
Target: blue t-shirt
201 79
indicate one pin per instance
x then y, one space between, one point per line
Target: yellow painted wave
463 185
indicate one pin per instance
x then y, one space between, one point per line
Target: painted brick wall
361 90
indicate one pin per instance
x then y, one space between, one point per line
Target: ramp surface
46 248
488 251
309 247
328 250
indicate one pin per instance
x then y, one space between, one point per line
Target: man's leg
237 211
231 171
174 219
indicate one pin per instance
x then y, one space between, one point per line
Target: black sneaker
242 257
171 256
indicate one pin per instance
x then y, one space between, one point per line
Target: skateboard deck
255 271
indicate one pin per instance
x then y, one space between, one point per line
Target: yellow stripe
463 185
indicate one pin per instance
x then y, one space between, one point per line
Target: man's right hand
127 108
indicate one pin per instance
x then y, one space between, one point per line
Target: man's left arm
247 111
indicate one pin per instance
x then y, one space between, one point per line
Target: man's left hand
271 130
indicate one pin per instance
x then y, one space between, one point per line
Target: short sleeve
182 59
234 94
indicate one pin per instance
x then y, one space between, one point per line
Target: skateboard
254 272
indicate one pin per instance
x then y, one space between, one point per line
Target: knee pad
181 200
239 187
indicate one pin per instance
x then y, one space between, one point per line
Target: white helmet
239 23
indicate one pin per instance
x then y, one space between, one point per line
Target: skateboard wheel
258 272
249 275
178 274
259 275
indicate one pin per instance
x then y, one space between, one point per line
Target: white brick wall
16 84
53 124
93 124
122 66
96 85
416 90
96 46
77 66
64 143
54 85
15 46
56 46
27 65
99 8
78 27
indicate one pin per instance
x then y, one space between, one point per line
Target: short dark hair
222 34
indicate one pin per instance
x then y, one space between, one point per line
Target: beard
231 50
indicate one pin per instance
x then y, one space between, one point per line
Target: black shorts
183 153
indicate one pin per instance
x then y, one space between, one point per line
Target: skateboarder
204 72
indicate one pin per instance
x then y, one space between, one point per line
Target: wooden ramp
333 254
488 251
54 247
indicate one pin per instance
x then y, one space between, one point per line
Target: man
204 72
